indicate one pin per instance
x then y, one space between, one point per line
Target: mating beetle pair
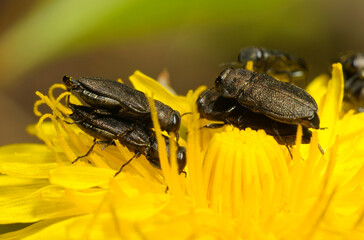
212 106
280 101
244 99
117 99
119 112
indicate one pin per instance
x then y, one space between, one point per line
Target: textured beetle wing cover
129 98
279 100
133 136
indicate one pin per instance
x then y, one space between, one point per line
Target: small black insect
130 134
273 62
212 106
353 69
122 101
280 101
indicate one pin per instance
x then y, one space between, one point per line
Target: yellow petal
331 107
26 160
46 127
81 177
15 187
317 88
173 221
46 203
153 88
239 184
36 230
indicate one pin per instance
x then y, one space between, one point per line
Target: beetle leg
186 113
277 133
137 154
116 137
107 144
289 150
89 151
213 125
283 140
68 100
228 111
321 150
241 124
224 116
184 172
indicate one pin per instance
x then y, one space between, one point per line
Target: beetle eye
218 82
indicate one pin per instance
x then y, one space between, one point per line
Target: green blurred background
40 41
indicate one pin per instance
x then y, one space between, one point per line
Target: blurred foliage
57 28
42 40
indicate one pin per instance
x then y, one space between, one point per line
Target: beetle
134 136
212 106
353 69
122 101
352 62
280 101
273 62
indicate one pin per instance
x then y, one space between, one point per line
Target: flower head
239 184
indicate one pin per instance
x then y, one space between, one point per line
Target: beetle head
229 82
70 83
254 54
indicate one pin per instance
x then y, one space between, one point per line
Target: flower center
242 170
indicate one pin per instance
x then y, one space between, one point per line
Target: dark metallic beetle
353 69
274 63
280 101
133 136
212 106
122 101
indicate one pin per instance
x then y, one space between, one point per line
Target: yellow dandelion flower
239 184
